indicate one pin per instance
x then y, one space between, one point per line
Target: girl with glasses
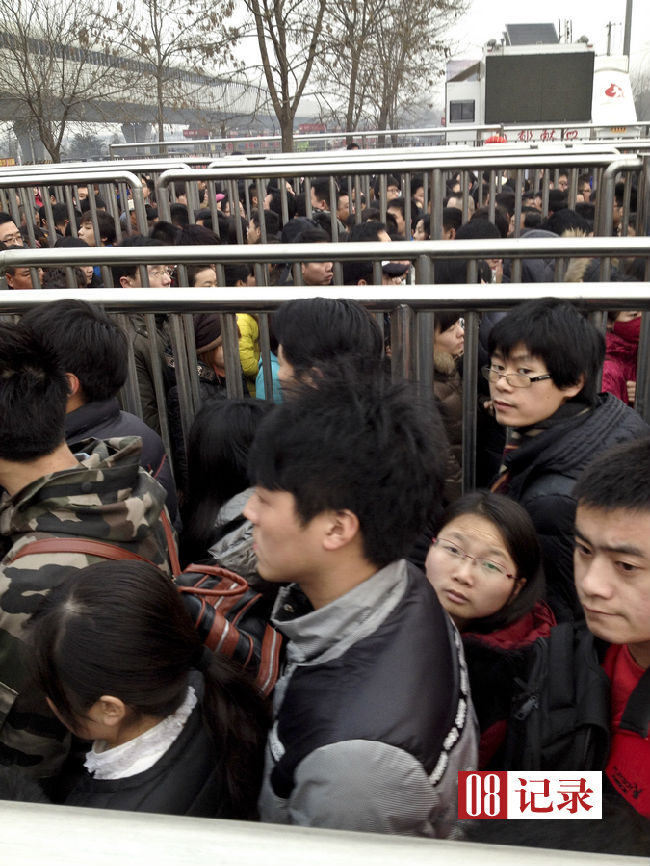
485 566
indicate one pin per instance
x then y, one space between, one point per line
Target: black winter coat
542 475
187 780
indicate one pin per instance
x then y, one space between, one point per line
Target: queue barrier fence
36 833
412 311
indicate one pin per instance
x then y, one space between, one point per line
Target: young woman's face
471 570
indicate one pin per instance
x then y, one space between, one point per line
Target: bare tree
52 70
343 65
176 43
288 35
381 57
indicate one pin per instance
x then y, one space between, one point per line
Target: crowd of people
408 610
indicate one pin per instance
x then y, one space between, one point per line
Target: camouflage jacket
108 497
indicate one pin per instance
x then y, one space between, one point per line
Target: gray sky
486 19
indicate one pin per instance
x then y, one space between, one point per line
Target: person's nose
501 384
464 571
595 580
249 509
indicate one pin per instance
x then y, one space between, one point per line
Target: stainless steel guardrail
34 834
413 308
368 138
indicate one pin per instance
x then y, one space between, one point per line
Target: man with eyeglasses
544 377
9 232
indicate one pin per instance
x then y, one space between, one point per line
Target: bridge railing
412 309
471 134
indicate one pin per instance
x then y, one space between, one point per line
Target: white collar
141 753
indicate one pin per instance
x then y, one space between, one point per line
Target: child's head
114 641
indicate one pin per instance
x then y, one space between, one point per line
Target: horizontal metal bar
355 164
397 250
442 131
608 296
35 833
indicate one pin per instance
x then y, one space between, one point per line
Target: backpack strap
101 549
636 716
171 543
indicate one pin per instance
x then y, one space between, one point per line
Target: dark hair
360 443
130 270
106 225
557 200
556 332
617 478
417 181
84 204
271 221
179 214
477 229
33 395
312 234
396 203
235 272
87 343
321 188
455 271
121 629
518 532
5 217
452 218
445 319
217 467
195 235
564 220
506 200
164 232
482 215
391 180
366 231
313 331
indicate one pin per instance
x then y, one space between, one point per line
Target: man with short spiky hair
612 575
372 718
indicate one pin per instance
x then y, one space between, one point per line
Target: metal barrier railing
35 833
413 310
473 134
433 165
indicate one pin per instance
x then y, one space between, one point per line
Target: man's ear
342 528
125 282
574 390
74 385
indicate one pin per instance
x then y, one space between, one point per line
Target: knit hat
207 331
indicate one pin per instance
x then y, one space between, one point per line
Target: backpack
230 617
560 712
